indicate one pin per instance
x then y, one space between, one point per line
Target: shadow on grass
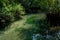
26 34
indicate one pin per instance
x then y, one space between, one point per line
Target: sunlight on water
35 36
58 34
46 37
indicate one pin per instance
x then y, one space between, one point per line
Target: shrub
9 12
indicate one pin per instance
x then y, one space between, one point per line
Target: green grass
33 18
21 30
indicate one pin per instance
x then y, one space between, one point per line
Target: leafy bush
51 6
10 12
44 5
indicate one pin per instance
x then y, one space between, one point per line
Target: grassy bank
21 30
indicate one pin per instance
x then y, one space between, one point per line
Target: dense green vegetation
20 19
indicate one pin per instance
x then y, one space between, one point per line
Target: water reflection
46 37
58 34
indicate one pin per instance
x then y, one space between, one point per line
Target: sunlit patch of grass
20 30
34 17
